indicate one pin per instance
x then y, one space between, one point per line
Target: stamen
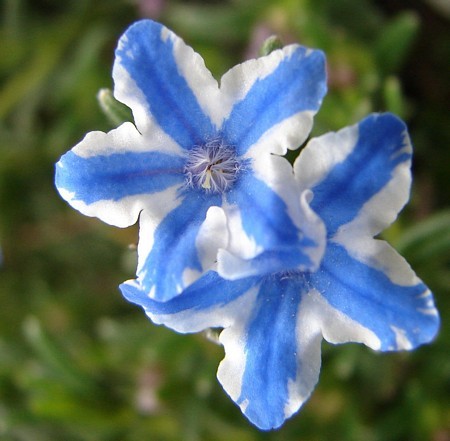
212 167
207 183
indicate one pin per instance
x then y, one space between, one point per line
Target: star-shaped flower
363 291
194 146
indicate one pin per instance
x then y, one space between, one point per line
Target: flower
201 167
363 291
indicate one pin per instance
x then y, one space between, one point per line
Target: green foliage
269 45
393 44
78 362
115 111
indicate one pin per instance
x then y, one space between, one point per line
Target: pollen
212 167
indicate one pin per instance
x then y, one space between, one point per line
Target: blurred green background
79 363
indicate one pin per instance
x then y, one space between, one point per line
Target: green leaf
270 44
393 97
57 359
28 80
115 111
427 240
395 42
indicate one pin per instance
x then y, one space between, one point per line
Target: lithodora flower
201 167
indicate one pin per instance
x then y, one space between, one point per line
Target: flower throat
212 167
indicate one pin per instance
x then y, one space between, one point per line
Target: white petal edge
123 139
126 211
127 92
321 154
288 134
231 368
200 80
192 320
379 255
380 210
237 82
335 326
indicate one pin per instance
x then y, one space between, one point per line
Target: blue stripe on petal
271 353
265 218
207 292
148 56
364 172
369 297
297 84
267 262
174 250
116 176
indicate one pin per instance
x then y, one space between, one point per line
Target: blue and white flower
201 167
363 291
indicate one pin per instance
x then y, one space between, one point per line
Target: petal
173 254
379 292
113 177
160 79
232 267
270 230
272 354
359 174
264 214
281 91
210 302
212 236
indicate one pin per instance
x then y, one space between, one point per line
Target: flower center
212 167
